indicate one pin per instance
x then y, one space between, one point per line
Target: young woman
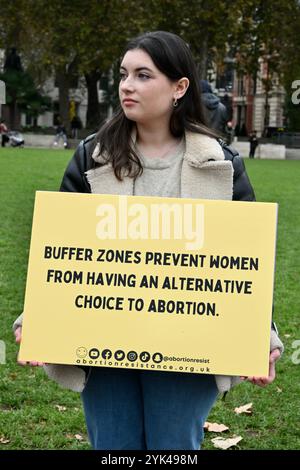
157 144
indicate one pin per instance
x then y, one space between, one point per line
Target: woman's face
146 94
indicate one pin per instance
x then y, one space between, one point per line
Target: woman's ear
181 87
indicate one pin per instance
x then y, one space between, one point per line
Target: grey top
161 175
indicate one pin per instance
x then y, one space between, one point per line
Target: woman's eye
143 76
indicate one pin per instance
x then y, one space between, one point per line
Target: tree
101 39
88 36
21 92
268 30
208 26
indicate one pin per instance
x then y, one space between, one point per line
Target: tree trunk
267 88
14 121
203 52
93 107
63 90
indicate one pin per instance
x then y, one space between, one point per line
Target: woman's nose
126 84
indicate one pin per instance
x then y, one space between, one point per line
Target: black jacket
74 179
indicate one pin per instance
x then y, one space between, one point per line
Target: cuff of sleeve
18 322
275 342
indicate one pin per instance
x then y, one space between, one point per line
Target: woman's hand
18 336
263 381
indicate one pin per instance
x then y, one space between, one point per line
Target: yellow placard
150 283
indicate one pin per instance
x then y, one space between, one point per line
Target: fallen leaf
287 336
278 390
247 409
6 408
224 444
252 433
3 440
215 427
60 408
78 437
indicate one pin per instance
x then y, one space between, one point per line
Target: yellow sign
150 283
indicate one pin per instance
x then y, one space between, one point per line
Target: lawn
37 414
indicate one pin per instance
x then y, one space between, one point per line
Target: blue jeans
147 410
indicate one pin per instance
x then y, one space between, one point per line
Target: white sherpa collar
200 148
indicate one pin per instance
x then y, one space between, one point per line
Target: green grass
29 418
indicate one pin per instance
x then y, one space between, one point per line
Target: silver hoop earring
175 103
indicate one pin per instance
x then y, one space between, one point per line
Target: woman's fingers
22 363
263 381
18 334
275 354
31 363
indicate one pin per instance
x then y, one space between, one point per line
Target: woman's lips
129 102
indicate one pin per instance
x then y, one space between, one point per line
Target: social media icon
94 353
119 355
145 356
106 354
132 356
157 357
81 352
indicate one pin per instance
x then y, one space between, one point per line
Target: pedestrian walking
253 143
60 134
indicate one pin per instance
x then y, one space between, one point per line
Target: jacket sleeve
242 189
74 179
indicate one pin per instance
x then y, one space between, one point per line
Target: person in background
229 132
60 134
75 126
216 112
253 143
3 132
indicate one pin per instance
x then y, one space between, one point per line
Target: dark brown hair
173 58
